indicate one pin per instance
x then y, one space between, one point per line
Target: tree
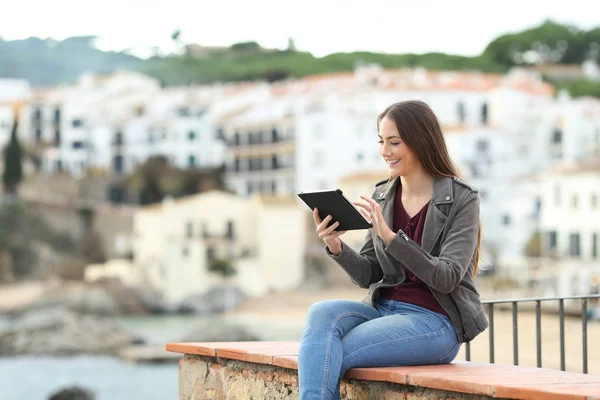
533 247
13 155
222 267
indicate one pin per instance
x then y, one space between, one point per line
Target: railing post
468 351
538 326
515 333
584 334
561 314
491 316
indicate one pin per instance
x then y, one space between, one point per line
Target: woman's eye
380 142
394 144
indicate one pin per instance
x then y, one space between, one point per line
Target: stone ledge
462 380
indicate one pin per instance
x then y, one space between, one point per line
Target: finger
324 223
366 214
335 235
316 216
329 230
365 206
369 200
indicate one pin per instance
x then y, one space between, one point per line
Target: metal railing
538 317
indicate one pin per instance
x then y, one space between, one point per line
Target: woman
417 262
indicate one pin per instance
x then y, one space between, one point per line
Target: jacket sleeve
362 267
444 272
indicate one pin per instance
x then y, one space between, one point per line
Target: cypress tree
13 171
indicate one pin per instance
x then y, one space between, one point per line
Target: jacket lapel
386 200
436 219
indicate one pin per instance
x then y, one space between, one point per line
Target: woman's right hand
328 234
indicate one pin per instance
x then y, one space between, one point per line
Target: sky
319 26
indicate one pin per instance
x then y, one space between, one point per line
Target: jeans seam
451 350
433 333
329 344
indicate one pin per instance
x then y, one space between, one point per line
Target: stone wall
204 378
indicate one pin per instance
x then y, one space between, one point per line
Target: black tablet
336 204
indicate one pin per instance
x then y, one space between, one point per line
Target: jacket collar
435 220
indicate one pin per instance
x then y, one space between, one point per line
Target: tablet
336 204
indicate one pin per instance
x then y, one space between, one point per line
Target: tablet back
334 203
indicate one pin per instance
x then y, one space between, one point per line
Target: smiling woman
417 261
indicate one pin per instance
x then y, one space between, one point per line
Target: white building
175 243
116 122
566 214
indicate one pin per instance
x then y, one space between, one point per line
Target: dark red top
412 290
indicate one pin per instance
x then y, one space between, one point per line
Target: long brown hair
420 129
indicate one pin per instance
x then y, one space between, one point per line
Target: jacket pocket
469 286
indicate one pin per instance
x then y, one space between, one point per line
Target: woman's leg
409 335
320 355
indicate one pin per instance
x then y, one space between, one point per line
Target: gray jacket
444 262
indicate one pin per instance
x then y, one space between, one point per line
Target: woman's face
401 160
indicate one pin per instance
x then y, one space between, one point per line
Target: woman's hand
372 211
328 234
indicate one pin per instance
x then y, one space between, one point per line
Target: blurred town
137 197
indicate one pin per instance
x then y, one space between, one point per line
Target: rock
219 332
61 331
73 393
216 300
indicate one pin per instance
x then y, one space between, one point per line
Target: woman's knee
324 311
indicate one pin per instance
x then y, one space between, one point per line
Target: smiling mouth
392 162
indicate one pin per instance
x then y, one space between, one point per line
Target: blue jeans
342 334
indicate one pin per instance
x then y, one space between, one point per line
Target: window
192 161
118 164
275 162
537 207
273 187
274 135
552 240
574 248
77 123
78 145
482 146
557 135
236 139
249 188
462 114
118 138
184 111
210 254
484 114
594 245
220 134
191 135
230 233
189 229
236 164
506 219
